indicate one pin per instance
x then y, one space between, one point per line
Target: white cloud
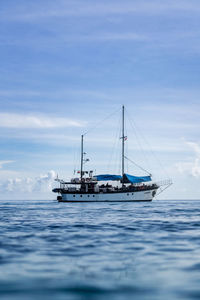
3 162
126 36
196 164
192 168
195 147
89 8
40 184
13 120
44 182
27 93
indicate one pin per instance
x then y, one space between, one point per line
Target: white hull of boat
110 197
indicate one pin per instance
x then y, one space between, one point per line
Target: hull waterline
140 196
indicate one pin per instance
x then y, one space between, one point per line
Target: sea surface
51 250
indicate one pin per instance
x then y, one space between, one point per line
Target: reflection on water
98 250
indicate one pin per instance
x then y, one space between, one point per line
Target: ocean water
51 250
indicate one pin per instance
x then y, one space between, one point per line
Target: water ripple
81 251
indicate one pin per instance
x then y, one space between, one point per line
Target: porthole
73 195
88 195
93 195
81 195
127 194
132 193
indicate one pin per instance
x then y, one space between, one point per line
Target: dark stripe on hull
106 201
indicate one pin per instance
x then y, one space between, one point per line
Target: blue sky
65 65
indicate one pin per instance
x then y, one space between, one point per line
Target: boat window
88 195
81 195
73 195
132 193
93 195
127 194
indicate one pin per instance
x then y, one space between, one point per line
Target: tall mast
122 142
81 157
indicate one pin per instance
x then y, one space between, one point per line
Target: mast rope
98 123
135 129
137 165
137 138
112 157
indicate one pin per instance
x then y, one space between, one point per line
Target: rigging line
74 158
126 144
162 190
118 160
132 123
138 165
119 153
97 124
150 148
114 147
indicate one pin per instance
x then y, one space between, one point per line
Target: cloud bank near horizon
41 184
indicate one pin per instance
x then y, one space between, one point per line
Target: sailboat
108 187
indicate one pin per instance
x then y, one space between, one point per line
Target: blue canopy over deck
106 177
126 179
135 179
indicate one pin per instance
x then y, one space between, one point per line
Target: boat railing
163 185
164 182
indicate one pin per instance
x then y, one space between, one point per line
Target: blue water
51 250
